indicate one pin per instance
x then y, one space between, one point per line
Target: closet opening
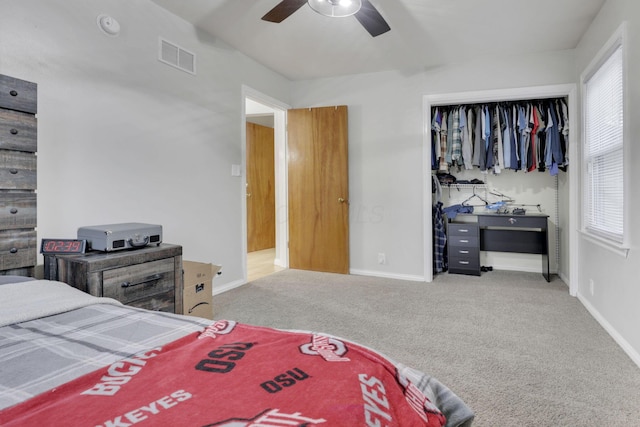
520 182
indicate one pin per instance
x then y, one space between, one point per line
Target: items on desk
452 211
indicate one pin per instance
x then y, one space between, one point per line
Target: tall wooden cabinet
18 146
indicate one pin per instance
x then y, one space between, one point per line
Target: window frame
618 243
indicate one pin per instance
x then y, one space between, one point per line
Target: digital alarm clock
63 246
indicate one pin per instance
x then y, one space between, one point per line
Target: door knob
341 200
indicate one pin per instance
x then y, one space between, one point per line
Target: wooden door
318 193
261 202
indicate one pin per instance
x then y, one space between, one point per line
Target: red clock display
63 246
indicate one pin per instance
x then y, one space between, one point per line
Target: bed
68 358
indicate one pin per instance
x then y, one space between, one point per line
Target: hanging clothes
516 135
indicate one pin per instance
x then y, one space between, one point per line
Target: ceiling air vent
174 55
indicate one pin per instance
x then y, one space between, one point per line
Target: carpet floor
518 350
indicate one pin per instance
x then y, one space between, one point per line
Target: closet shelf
464 186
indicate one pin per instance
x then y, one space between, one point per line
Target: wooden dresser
149 277
18 146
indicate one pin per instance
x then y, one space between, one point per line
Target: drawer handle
13 171
13 250
463 252
14 211
142 282
464 241
464 262
13 93
14 131
463 230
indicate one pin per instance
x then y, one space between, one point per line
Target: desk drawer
464 265
149 285
18 94
511 221
17 249
17 210
464 241
17 170
464 252
463 229
18 131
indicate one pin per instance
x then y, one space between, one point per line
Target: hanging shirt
533 125
541 136
450 131
489 138
554 150
498 154
548 155
477 137
456 135
523 126
506 139
439 240
515 139
443 166
435 138
564 132
467 142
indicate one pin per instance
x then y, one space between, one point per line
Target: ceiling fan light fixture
336 8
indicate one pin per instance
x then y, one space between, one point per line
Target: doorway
265 114
310 129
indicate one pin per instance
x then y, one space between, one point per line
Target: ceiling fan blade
371 19
283 10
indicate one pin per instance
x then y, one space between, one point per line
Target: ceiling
424 33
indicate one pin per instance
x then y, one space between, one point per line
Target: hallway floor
260 264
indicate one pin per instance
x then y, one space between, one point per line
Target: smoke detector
108 25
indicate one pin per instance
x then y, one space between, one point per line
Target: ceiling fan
363 10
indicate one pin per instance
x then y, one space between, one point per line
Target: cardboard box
197 295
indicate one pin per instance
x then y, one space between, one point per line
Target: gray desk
497 233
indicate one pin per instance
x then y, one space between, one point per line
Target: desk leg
545 256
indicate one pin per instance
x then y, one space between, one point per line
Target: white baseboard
387 275
236 284
228 286
626 347
523 268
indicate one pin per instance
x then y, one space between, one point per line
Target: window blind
604 143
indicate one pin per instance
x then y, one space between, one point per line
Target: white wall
123 137
386 132
616 286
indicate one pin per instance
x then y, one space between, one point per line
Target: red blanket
237 375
